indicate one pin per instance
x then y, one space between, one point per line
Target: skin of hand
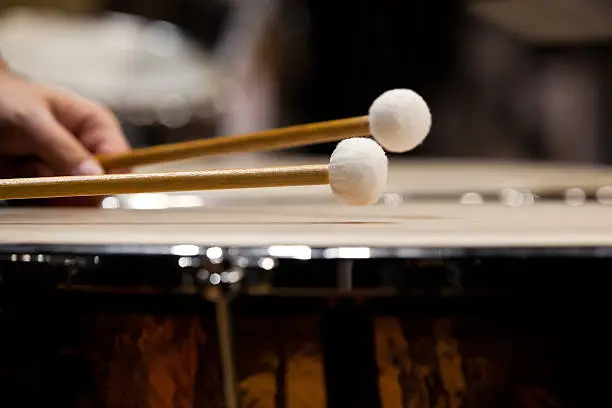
46 131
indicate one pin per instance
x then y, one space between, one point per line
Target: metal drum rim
314 253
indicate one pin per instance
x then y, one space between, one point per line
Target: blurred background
512 79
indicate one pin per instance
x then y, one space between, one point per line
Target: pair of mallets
399 120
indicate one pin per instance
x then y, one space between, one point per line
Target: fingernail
88 168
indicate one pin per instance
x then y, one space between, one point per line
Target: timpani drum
409 303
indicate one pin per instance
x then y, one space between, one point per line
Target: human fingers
55 145
93 124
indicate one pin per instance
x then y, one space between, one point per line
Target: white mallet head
399 120
358 171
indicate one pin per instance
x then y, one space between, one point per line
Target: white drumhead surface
418 225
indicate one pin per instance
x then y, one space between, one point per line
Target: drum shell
461 331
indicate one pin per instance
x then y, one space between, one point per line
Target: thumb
56 146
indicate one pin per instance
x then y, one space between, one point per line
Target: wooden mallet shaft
77 186
275 139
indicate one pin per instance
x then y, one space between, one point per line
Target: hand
46 131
